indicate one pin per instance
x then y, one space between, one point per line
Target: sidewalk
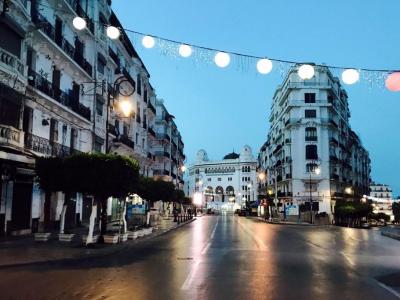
393 233
280 222
25 251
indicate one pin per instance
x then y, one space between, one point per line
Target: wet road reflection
222 257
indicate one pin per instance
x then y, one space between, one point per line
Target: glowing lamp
185 50
183 168
148 42
222 59
79 23
306 72
350 76
392 82
126 107
113 32
197 198
264 66
317 171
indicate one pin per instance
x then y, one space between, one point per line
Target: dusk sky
224 109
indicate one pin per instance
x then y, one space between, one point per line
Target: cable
230 52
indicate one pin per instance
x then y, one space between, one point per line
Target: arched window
230 191
220 192
209 190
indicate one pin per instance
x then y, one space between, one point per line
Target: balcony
311 138
77 8
10 136
124 139
151 132
48 29
152 108
114 57
65 98
11 62
47 147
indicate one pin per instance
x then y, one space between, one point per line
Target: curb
391 235
292 223
112 250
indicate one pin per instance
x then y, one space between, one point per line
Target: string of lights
264 65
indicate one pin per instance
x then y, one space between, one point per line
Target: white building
311 151
55 86
381 191
224 184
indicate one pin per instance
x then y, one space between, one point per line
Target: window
139 85
219 179
309 97
99 105
311 152
312 186
229 178
208 179
310 113
311 134
101 63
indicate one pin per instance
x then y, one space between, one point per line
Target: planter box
65 237
132 235
42 236
123 237
111 239
95 238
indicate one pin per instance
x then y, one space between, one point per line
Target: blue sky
223 109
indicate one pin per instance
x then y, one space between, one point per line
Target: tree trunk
104 203
124 218
62 217
93 216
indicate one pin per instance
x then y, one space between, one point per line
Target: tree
99 175
350 213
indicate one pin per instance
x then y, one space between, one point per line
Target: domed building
226 184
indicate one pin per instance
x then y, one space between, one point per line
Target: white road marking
259 242
348 258
215 228
206 248
389 289
189 279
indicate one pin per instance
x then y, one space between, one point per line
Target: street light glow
197 198
317 171
183 168
126 107
261 176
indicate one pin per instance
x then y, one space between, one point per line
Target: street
225 257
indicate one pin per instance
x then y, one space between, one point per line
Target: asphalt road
225 257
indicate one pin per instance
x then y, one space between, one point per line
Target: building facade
311 152
225 184
59 93
381 191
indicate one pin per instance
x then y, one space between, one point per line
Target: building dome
232 155
201 155
246 153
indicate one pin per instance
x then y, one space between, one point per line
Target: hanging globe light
264 66
306 72
148 42
79 23
350 76
185 50
392 82
113 32
222 59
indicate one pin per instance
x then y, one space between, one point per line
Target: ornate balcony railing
64 97
10 135
46 147
12 61
124 139
49 30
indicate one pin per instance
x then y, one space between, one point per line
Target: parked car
243 213
365 225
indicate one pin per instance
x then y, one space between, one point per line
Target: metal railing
48 148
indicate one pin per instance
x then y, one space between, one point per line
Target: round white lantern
306 72
185 50
148 42
222 59
113 32
79 23
264 66
350 76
